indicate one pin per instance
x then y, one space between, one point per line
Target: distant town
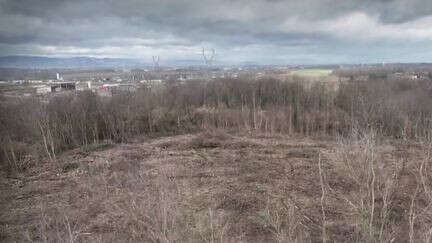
20 82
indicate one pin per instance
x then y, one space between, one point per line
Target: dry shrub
18 156
374 184
419 214
211 138
55 226
209 226
161 215
284 221
149 206
151 215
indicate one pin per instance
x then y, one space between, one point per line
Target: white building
59 77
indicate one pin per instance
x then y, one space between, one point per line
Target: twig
322 199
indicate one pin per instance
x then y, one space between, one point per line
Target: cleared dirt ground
215 187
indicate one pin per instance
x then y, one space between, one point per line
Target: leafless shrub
56 227
209 227
159 212
284 221
374 182
18 155
420 217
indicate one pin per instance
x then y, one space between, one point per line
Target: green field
314 73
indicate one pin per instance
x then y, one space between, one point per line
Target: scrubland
221 161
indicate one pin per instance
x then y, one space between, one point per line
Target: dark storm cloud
239 29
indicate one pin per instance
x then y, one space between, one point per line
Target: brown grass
219 187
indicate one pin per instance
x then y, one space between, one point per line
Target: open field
216 187
312 73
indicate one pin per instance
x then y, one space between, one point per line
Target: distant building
62 86
59 77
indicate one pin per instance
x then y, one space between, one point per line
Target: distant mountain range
40 62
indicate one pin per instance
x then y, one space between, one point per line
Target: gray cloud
241 30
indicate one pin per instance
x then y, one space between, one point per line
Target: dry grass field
312 73
219 187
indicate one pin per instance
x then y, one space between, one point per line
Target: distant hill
39 62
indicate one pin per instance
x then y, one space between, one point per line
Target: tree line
31 128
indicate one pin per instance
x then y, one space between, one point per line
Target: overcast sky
262 31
